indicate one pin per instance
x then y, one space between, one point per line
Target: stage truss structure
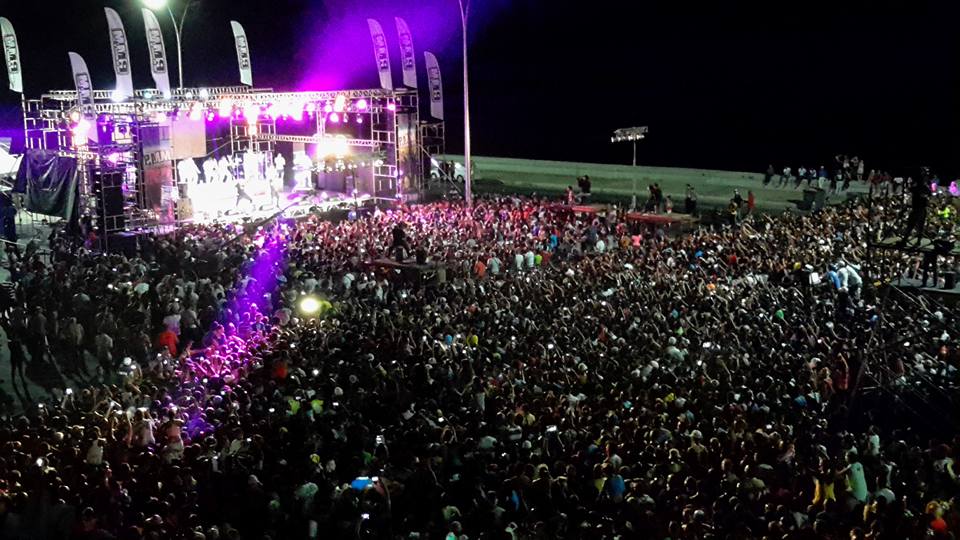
108 139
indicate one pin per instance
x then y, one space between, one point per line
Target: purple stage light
335 118
114 158
359 119
362 105
391 107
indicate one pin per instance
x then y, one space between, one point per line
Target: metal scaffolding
112 160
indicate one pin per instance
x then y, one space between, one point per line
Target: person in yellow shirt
824 480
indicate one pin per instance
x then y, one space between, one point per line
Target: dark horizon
724 87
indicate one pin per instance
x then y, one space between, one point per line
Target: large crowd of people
571 377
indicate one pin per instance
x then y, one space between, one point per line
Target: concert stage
683 220
409 271
153 162
925 246
947 296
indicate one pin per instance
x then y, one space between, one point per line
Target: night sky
731 85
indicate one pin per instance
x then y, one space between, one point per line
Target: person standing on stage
399 247
242 194
209 169
276 185
224 169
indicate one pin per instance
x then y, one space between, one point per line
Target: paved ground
714 188
39 378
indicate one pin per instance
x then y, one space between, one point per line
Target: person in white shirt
210 172
188 171
856 481
493 265
529 259
518 261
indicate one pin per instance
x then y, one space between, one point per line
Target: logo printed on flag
10 48
120 58
406 46
243 52
383 60
158 57
436 91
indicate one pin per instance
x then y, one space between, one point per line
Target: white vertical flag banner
408 58
11 53
243 53
121 56
81 80
158 53
436 86
381 53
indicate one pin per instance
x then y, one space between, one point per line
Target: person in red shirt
751 202
480 269
169 340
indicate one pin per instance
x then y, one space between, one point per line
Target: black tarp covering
49 183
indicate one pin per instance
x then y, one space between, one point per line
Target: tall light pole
467 186
157 5
632 135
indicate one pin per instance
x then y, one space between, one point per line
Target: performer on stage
242 194
276 185
188 171
209 169
920 197
399 247
224 169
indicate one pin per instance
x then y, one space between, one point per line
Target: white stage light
309 305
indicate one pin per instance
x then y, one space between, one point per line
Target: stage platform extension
925 246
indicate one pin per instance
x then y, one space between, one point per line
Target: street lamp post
631 135
467 185
157 5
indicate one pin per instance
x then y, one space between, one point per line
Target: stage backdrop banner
188 138
436 86
81 79
158 178
243 53
121 55
11 53
49 182
381 53
408 57
158 53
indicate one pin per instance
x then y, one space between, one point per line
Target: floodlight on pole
631 135
158 5
467 184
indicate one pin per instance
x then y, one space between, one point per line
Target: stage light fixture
340 103
392 107
362 105
75 116
328 108
116 96
335 118
359 119
155 4
196 112
204 93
